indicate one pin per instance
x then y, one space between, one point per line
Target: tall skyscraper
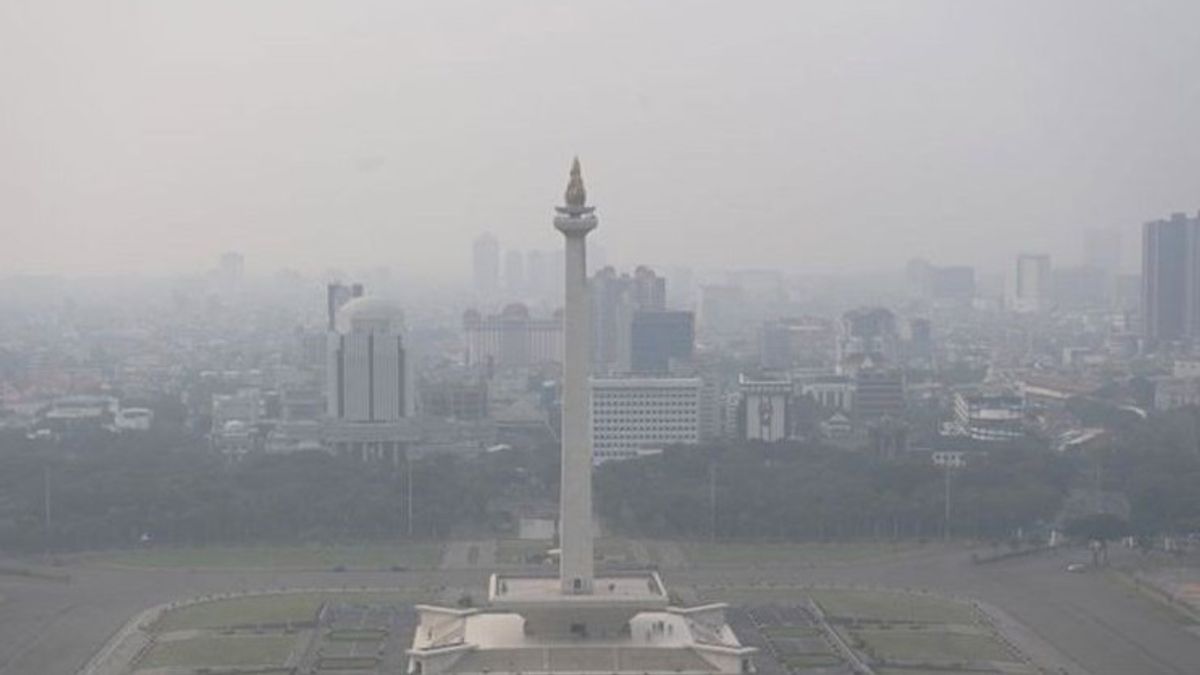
1033 288
514 273
537 273
368 378
1171 278
615 301
486 264
659 339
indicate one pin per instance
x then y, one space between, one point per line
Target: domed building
369 386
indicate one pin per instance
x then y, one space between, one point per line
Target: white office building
1032 289
367 374
636 415
369 387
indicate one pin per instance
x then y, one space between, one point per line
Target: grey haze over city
807 136
666 337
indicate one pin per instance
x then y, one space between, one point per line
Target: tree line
120 491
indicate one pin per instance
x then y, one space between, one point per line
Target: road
51 628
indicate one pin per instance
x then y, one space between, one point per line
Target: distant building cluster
937 357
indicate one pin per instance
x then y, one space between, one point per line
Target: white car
1077 567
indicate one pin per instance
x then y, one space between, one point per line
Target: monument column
576 566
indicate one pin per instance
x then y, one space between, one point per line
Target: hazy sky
810 136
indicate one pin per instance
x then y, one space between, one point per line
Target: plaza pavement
53 628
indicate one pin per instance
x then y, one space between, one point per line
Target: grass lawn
517 551
777 554
792 631
265 650
267 609
891 606
614 548
910 671
425 555
802 661
357 635
756 596
933 646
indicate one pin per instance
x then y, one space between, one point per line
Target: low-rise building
832 392
764 408
990 417
636 415
1176 392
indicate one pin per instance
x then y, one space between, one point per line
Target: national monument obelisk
575 220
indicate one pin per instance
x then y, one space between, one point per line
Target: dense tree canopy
113 491
812 492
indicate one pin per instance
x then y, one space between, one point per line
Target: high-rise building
368 378
660 339
537 273
485 264
514 273
867 337
368 383
1171 278
615 299
1033 288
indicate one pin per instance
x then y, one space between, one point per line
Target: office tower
615 301
660 339
1032 291
868 338
514 273
649 290
368 378
336 295
537 273
1171 278
485 264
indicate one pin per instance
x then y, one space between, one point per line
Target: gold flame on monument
576 195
